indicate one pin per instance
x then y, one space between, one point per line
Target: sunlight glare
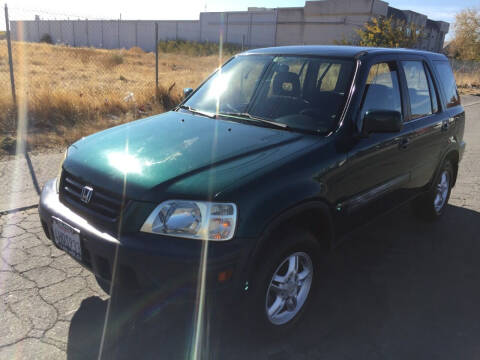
124 162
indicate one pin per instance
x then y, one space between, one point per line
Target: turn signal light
224 276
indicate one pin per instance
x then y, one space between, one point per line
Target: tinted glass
447 81
232 87
418 89
328 76
382 91
301 92
433 92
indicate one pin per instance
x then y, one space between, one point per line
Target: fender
453 148
280 218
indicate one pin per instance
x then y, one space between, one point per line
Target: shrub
114 60
46 38
386 32
8 144
193 48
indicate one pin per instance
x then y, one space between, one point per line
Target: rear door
425 122
454 113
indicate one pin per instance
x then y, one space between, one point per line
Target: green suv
238 193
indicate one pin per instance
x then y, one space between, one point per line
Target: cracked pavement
397 289
22 177
41 287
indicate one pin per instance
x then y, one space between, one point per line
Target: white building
318 22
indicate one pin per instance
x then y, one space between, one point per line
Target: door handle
404 143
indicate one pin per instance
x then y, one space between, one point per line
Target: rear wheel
431 205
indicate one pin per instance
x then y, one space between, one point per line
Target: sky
189 9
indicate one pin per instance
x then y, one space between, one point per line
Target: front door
376 173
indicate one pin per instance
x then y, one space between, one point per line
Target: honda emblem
86 195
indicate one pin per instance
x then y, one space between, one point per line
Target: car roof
340 51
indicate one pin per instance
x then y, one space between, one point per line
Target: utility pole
10 59
156 58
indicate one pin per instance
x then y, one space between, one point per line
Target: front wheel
103 284
286 281
431 205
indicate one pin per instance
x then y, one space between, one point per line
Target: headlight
193 219
59 174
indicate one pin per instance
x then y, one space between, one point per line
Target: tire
104 285
287 300
432 205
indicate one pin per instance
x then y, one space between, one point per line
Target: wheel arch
454 157
314 216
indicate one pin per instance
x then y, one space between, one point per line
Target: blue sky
189 9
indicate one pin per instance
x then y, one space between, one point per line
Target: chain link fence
465 66
61 82
66 88
467 75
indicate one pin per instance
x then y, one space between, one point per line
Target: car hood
137 157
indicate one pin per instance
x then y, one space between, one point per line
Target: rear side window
382 91
328 75
418 89
447 81
433 92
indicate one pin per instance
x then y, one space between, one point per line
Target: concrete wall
318 22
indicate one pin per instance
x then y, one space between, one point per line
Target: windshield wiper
248 116
195 111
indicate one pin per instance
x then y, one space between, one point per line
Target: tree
466 43
388 32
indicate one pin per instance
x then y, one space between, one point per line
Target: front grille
103 205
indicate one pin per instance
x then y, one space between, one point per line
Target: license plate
67 238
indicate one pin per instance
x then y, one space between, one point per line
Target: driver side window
382 90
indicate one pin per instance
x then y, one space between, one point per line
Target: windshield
296 91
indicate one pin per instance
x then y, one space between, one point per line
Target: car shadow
397 288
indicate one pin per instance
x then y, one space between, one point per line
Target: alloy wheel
289 288
441 192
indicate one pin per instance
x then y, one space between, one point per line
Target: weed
114 60
193 48
71 93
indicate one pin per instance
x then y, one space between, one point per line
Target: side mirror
187 92
382 121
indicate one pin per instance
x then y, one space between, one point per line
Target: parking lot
398 288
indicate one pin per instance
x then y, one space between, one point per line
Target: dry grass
467 75
65 93
468 82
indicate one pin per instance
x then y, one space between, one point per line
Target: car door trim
360 200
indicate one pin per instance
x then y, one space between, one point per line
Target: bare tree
466 43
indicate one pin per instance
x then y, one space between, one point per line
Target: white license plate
67 238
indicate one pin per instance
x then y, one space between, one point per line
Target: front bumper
170 266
